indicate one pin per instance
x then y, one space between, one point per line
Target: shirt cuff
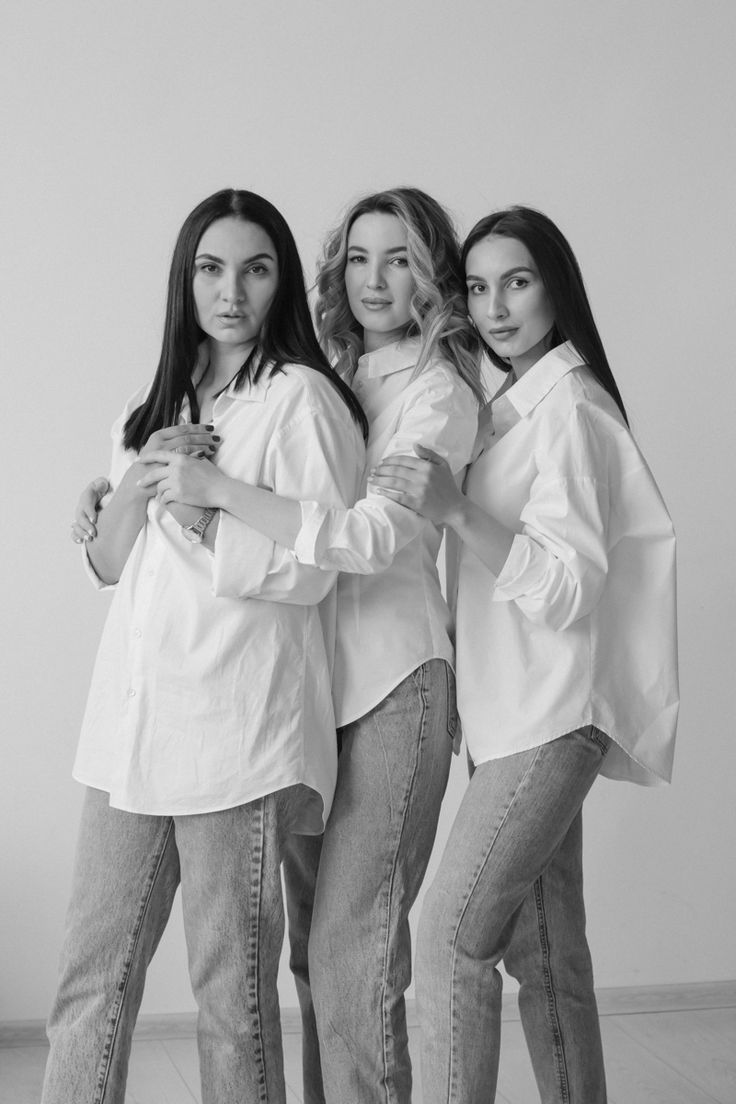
242 559
519 572
305 546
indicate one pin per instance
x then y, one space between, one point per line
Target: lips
500 334
376 302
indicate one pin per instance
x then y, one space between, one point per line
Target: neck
224 362
373 341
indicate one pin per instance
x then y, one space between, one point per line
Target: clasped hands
166 478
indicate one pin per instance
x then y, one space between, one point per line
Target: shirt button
137 633
131 693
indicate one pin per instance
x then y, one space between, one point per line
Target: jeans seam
421 683
114 1019
451 1088
256 886
553 1018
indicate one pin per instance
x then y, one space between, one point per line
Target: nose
375 277
232 289
496 304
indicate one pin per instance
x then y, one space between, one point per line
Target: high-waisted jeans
128 867
392 773
510 887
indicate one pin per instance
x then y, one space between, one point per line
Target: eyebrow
248 260
504 275
395 249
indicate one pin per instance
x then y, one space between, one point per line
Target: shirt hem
219 807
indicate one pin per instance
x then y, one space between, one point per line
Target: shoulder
583 426
305 402
299 385
439 382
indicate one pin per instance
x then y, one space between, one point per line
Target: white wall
614 118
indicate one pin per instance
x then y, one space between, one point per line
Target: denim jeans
509 887
392 772
128 867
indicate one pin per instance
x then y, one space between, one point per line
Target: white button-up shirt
392 616
212 681
579 627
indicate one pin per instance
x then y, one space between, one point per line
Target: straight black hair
287 335
563 282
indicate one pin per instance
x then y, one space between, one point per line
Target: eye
476 289
356 258
208 267
258 269
400 262
518 282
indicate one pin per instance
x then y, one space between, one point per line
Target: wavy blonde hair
439 313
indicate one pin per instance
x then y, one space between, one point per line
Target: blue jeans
392 772
509 887
128 867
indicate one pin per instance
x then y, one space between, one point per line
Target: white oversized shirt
392 616
212 681
579 628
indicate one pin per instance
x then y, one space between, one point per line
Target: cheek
476 309
352 285
403 298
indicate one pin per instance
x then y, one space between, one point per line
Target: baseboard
622 1001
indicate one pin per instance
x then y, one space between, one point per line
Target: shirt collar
395 357
537 383
504 412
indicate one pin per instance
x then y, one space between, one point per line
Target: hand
176 477
423 482
88 506
182 438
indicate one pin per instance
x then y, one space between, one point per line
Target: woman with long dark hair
209 733
566 661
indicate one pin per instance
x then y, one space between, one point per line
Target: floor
665 1057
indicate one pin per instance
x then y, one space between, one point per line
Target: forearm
118 527
270 514
486 537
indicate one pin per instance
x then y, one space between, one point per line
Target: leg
392 775
234 924
125 878
300 863
513 819
549 956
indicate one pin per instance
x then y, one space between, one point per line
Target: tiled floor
675 1057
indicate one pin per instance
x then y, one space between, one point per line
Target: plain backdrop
617 119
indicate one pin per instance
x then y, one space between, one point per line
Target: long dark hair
287 335
563 282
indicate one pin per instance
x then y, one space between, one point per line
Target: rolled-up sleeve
314 456
439 413
556 569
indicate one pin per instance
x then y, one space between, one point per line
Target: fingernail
209 427
215 437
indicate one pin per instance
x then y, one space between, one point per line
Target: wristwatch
195 532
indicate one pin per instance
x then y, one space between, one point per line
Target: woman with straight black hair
566 666
209 733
